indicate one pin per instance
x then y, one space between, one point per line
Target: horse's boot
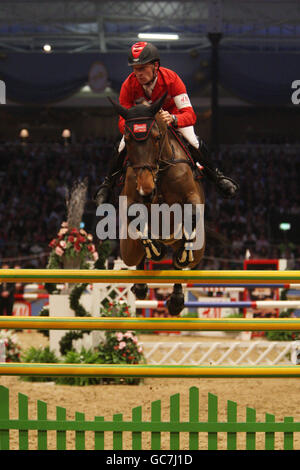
226 186
140 291
102 194
175 303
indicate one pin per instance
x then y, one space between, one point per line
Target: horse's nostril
145 191
148 197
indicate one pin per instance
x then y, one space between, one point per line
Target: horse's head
144 137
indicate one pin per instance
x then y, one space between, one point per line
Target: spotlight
159 36
47 48
24 133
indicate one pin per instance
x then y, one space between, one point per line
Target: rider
150 81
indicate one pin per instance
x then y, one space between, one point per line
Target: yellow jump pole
133 323
141 370
136 276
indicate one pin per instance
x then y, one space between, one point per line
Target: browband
140 130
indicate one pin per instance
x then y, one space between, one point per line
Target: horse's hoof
175 304
183 258
140 291
154 250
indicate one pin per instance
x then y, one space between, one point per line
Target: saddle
184 143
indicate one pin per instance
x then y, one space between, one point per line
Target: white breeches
187 132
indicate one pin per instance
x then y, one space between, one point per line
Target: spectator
7 291
34 178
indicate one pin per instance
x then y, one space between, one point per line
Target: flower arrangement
124 348
120 347
71 243
12 348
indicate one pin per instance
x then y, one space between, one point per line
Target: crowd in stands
35 177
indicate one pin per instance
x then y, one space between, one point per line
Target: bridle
153 168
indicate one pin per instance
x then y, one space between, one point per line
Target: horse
159 172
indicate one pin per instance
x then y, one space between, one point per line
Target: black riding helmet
143 53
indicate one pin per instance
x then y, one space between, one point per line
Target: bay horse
159 171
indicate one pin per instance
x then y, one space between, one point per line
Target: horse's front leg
139 227
140 290
192 237
175 303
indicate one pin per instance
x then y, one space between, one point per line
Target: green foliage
235 315
85 356
114 309
65 343
190 315
103 250
38 355
75 295
54 261
283 335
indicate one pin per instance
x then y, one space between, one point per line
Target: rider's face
145 73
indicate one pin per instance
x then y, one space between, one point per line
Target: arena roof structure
258 48
80 26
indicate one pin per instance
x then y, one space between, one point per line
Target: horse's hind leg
140 290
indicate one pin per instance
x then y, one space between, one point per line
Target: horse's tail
213 235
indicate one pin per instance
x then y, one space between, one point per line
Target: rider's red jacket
177 101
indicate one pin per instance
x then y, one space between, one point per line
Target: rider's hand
166 116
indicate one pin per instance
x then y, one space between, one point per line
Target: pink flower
119 336
62 232
64 224
52 243
135 340
95 256
140 349
122 345
128 335
90 237
59 251
63 244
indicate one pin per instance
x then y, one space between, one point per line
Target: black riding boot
226 186
102 194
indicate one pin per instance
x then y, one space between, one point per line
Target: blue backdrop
258 78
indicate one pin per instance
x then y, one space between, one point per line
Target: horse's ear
155 107
120 109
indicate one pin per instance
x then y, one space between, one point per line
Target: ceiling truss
80 26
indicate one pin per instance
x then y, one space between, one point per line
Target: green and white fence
201 434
